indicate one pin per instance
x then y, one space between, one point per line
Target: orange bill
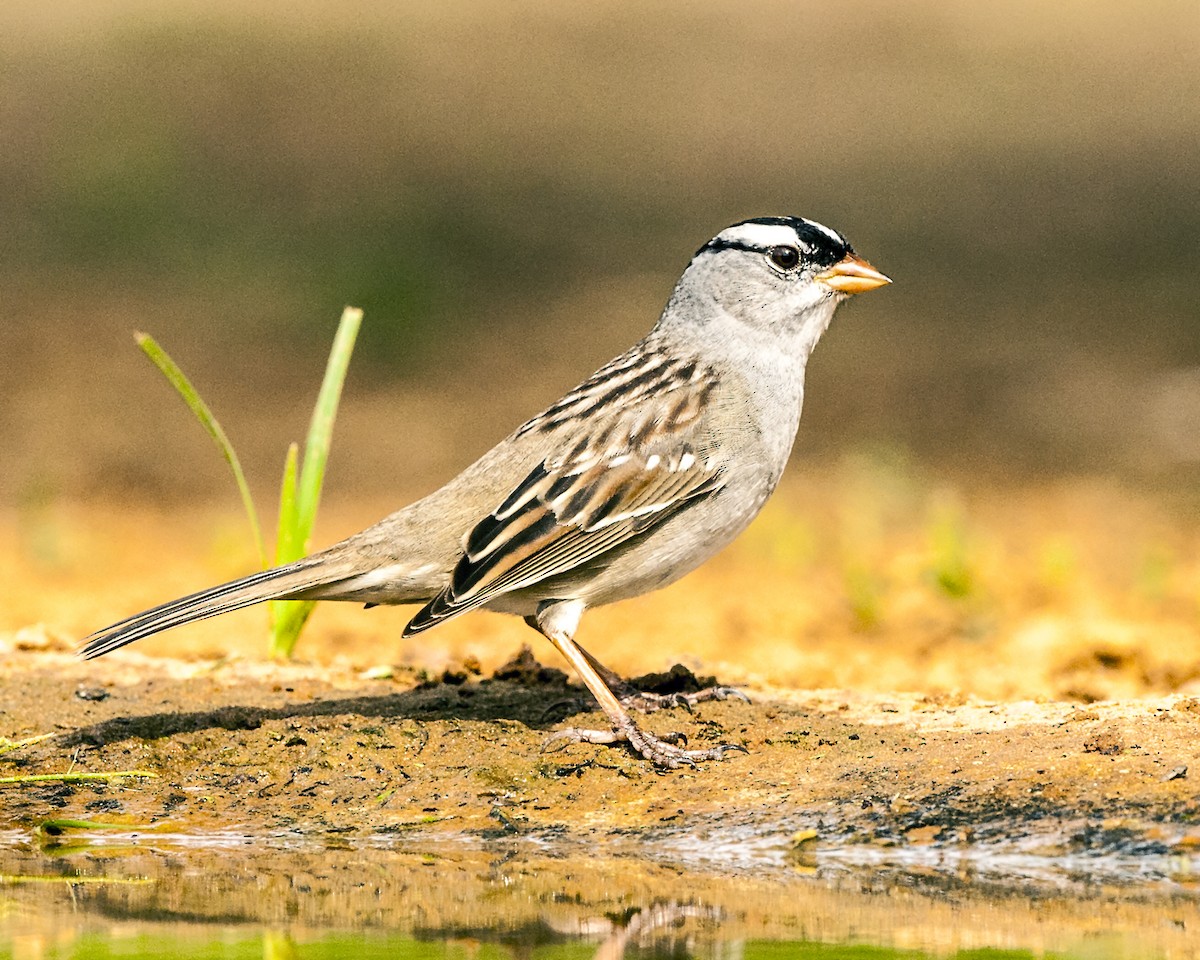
852 274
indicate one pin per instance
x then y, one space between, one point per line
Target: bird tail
292 580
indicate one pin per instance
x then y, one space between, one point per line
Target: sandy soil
269 749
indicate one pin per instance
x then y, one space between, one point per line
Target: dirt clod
1107 743
525 669
679 679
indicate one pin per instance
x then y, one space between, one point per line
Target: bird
632 479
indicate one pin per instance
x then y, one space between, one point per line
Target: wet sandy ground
318 751
293 802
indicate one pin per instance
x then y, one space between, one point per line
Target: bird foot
646 702
661 751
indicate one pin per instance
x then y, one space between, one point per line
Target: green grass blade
72 777
290 618
320 431
286 547
183 386
285 530
300 496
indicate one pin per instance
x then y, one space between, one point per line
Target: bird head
784 274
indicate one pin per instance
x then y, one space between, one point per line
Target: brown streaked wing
558 520
647 370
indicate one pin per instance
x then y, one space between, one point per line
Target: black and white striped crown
816 242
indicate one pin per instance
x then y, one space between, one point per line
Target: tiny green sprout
951 569
864 593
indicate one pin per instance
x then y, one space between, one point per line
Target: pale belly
659 558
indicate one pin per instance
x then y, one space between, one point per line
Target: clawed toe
556 741
662 751
644 702
665 754
653 702
650 702
722 693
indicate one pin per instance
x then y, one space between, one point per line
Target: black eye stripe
818 256
714 246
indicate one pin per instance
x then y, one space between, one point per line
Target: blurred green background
509 189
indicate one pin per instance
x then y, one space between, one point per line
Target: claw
661 751
650 702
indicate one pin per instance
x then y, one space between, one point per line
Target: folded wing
644 458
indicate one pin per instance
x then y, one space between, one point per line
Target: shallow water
231 895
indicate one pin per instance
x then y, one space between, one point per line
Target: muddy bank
261 749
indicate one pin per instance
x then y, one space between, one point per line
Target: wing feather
636 467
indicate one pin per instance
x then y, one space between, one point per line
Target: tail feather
274 584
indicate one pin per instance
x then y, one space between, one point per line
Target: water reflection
247 897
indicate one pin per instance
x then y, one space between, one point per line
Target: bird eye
785 258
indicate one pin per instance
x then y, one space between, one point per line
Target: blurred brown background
995 486
510 189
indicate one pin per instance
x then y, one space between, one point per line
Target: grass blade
73 880
183 386
72 777
290 618
320 430
284 533
56 828
286 547
301 495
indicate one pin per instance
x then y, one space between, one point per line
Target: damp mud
277 750
308 810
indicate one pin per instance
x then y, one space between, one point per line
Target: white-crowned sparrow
634 478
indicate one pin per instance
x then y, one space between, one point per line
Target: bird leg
646 702
557 622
